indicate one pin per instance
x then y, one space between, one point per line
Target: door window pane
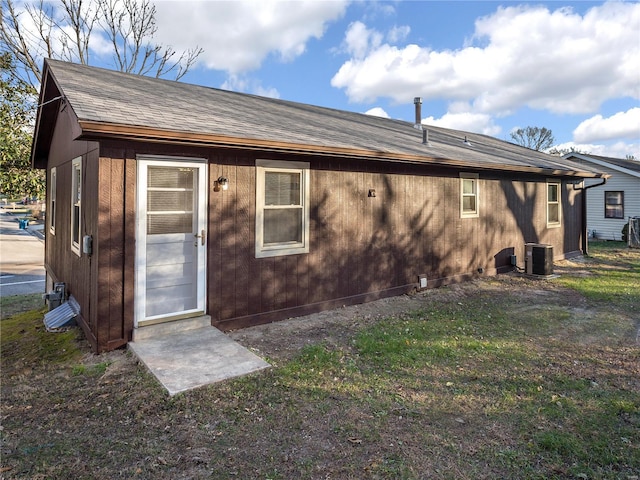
170 200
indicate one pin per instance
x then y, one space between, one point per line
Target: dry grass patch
504 378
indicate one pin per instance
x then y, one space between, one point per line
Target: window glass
76 204
469 204
553 204
51 214
614 204
282 210
468 186
282 226
469 195
170 200
282 188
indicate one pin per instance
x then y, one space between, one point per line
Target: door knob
202 237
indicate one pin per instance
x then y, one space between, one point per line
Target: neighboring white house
610 206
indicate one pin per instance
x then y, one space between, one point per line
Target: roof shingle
111 97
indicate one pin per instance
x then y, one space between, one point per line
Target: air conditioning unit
538 259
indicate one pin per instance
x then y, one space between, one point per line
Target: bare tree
534 138
559 152
64 29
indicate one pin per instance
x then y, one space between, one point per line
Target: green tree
535 138
17 178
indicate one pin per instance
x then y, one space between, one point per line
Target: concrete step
193 358
169 328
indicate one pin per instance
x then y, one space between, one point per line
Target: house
168 201
609 207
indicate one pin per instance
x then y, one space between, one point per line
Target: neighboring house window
613 204
553 204
76 205
51 214
282 208
469 205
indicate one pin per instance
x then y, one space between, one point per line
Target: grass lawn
503 378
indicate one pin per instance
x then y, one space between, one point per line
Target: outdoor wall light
221 184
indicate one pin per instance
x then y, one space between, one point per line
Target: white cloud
238 35
359 40
243 84
469 122
519 56
621 125
398 34
377 112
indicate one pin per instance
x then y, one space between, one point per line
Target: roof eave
36 141
93 130
49 100
603 163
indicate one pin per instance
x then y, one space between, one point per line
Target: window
76 205
553 204
282 208
469 195
51 214
613 204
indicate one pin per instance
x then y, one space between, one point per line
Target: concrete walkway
21 257
183 359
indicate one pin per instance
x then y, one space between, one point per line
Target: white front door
171 241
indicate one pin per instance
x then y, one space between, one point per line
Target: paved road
21 258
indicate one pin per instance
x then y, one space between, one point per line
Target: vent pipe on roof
417 101
425 137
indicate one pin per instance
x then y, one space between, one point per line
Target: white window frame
76 202
51 210
476 194
263 250
558 185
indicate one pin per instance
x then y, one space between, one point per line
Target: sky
480 66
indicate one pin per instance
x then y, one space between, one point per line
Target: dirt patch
280 341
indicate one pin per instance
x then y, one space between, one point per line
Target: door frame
143 162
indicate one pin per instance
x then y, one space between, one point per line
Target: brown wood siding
114 236
61 263
361 247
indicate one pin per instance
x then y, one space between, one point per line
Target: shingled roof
111 104
630 167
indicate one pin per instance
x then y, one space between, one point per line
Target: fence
633 232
